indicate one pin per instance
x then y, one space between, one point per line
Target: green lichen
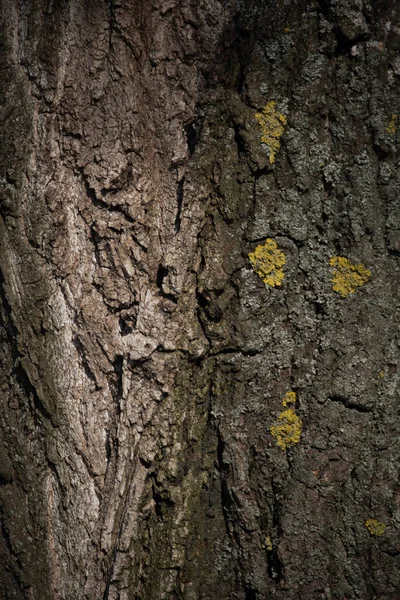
375 527
268 261
392 127
272 124
347 277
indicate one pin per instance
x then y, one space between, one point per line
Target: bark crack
348 403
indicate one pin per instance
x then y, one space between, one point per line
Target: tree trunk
199 213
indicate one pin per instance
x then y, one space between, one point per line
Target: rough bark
143 361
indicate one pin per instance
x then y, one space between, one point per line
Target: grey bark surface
143 361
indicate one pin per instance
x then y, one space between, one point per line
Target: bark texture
143 361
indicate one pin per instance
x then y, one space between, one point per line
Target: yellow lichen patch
268 543
287 429
289 398
392 127
272 124
267 261
347 277
375 527
381 374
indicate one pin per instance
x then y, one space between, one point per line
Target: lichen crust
392 127
287 429
289 398
272 124
375 527
347 277
268 261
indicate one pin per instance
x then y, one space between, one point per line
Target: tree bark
147 148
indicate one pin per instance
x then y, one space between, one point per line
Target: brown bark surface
143 361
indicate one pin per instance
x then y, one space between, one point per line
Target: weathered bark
143 361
